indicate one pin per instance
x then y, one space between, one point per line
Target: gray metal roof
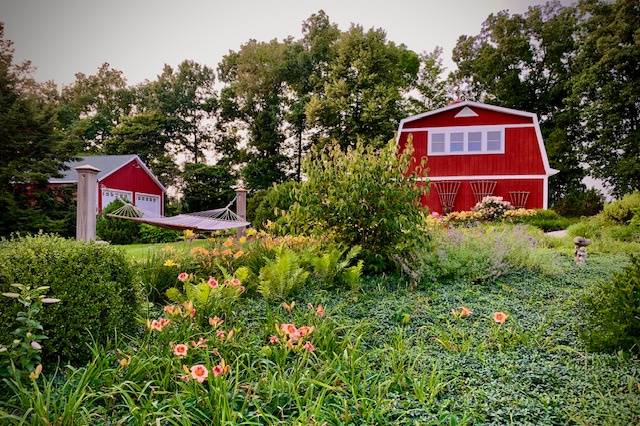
106 164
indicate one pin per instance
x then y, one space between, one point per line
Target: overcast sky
62 37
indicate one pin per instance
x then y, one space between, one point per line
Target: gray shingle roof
106 164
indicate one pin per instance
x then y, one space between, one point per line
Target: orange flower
274 340
124 362
180 350
227 252
158 325
235 282
189 309
238 254
201 343
288 307
320 311
183 276
462 312
212 282
288 329
305 330
309 347
172 310
199 372
215 321
228 243
500 317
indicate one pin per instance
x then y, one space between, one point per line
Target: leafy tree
92 106
362 97
434 91
147 135
607 89
31 151
187 101
527 62
206 187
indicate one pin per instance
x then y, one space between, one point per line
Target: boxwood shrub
96 285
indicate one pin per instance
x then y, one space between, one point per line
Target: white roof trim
483 177
466 112
145 168
543 152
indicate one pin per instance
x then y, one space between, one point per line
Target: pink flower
320 311
220 334
235 282
183 276
180 350
158 325
274 340
305 330
35 345
213 283
185 377
199 372
217 370
309 346
215 321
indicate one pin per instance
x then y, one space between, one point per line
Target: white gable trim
144 167
466 112
543 151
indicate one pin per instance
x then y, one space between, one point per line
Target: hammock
208 220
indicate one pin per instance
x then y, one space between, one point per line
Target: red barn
474 150
121 176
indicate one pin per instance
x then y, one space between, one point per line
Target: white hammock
208 220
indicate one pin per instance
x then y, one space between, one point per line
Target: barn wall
131 177
485 117
522 156
465 199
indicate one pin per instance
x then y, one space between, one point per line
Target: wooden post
87 202
241 207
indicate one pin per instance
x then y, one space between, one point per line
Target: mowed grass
137 252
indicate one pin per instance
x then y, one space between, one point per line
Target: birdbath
580 252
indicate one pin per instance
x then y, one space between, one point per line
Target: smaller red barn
474 150
121 176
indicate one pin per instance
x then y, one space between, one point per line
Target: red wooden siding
465 199
133 178
522 156
485 117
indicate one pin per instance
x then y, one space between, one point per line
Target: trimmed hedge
94 282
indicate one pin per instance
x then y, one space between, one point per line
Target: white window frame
466 130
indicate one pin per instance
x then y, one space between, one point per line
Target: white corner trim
466 112
545 193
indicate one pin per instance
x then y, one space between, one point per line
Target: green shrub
282 276
612 311
332 266
547 220
580 203
363 197
95 284
623 210
116 231
153 234
274 201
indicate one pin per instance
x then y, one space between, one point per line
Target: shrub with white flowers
491 207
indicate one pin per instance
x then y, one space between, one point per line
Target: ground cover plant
504 351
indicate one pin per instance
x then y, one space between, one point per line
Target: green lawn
137 252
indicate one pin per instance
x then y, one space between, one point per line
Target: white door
148 203
110 195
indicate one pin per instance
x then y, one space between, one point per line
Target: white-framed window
466 140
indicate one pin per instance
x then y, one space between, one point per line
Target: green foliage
273 203
116 231
24 352
612 311
363 198
484 253
333 266
547 220
98 294
580 203
154 234
282 276
206 187
623 210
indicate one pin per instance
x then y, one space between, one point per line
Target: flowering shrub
491 208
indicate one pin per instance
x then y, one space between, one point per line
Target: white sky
63 37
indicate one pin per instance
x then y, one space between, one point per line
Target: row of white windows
447 142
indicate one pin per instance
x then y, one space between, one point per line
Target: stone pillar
87 202
241 207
